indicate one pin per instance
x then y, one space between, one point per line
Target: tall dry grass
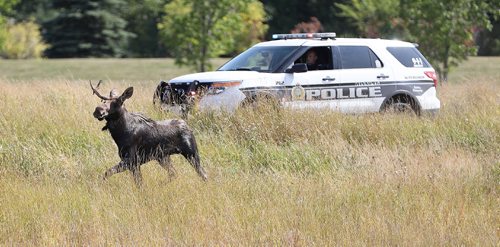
293 178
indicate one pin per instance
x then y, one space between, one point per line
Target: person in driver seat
311 59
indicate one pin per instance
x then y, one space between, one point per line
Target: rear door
366 80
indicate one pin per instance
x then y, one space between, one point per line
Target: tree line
193 31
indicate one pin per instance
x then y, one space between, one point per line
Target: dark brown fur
140 139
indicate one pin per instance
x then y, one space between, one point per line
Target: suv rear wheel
401 104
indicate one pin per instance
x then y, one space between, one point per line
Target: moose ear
127 93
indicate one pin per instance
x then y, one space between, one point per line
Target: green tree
197 30
284 15
6 6
38 10
142 18
444 29
254 28
374 18
489 41
86 28
23 41
5 9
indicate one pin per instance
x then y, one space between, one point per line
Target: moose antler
97 92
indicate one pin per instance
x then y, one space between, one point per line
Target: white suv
351 75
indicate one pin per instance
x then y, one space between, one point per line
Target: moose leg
194 159
189 150
166 163
115 169
136 173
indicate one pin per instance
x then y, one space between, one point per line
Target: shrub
23 41
3 32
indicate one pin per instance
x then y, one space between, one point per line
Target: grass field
282 179
117 70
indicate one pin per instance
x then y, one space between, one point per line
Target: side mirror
297 68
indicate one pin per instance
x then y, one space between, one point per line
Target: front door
316 87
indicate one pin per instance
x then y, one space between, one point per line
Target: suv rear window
358 57
409 57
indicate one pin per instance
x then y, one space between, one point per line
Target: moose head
112 106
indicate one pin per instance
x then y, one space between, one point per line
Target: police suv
351 75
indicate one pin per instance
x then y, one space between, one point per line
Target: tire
156 96
401 104
159 94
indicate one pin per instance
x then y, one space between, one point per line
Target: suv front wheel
260 102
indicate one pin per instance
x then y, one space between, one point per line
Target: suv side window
358 57
409 57
323 59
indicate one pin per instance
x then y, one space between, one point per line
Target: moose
140 139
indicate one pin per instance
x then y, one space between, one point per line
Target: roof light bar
305 36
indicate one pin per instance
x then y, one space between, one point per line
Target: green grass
153 70
275 178
483 68
128 70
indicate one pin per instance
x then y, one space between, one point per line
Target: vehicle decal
340 91
353 84
298 93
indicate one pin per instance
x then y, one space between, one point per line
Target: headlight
220 87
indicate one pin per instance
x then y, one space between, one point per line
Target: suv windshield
260 58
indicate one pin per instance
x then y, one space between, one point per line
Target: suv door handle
382 76
328 79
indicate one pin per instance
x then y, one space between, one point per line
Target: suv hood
217 76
